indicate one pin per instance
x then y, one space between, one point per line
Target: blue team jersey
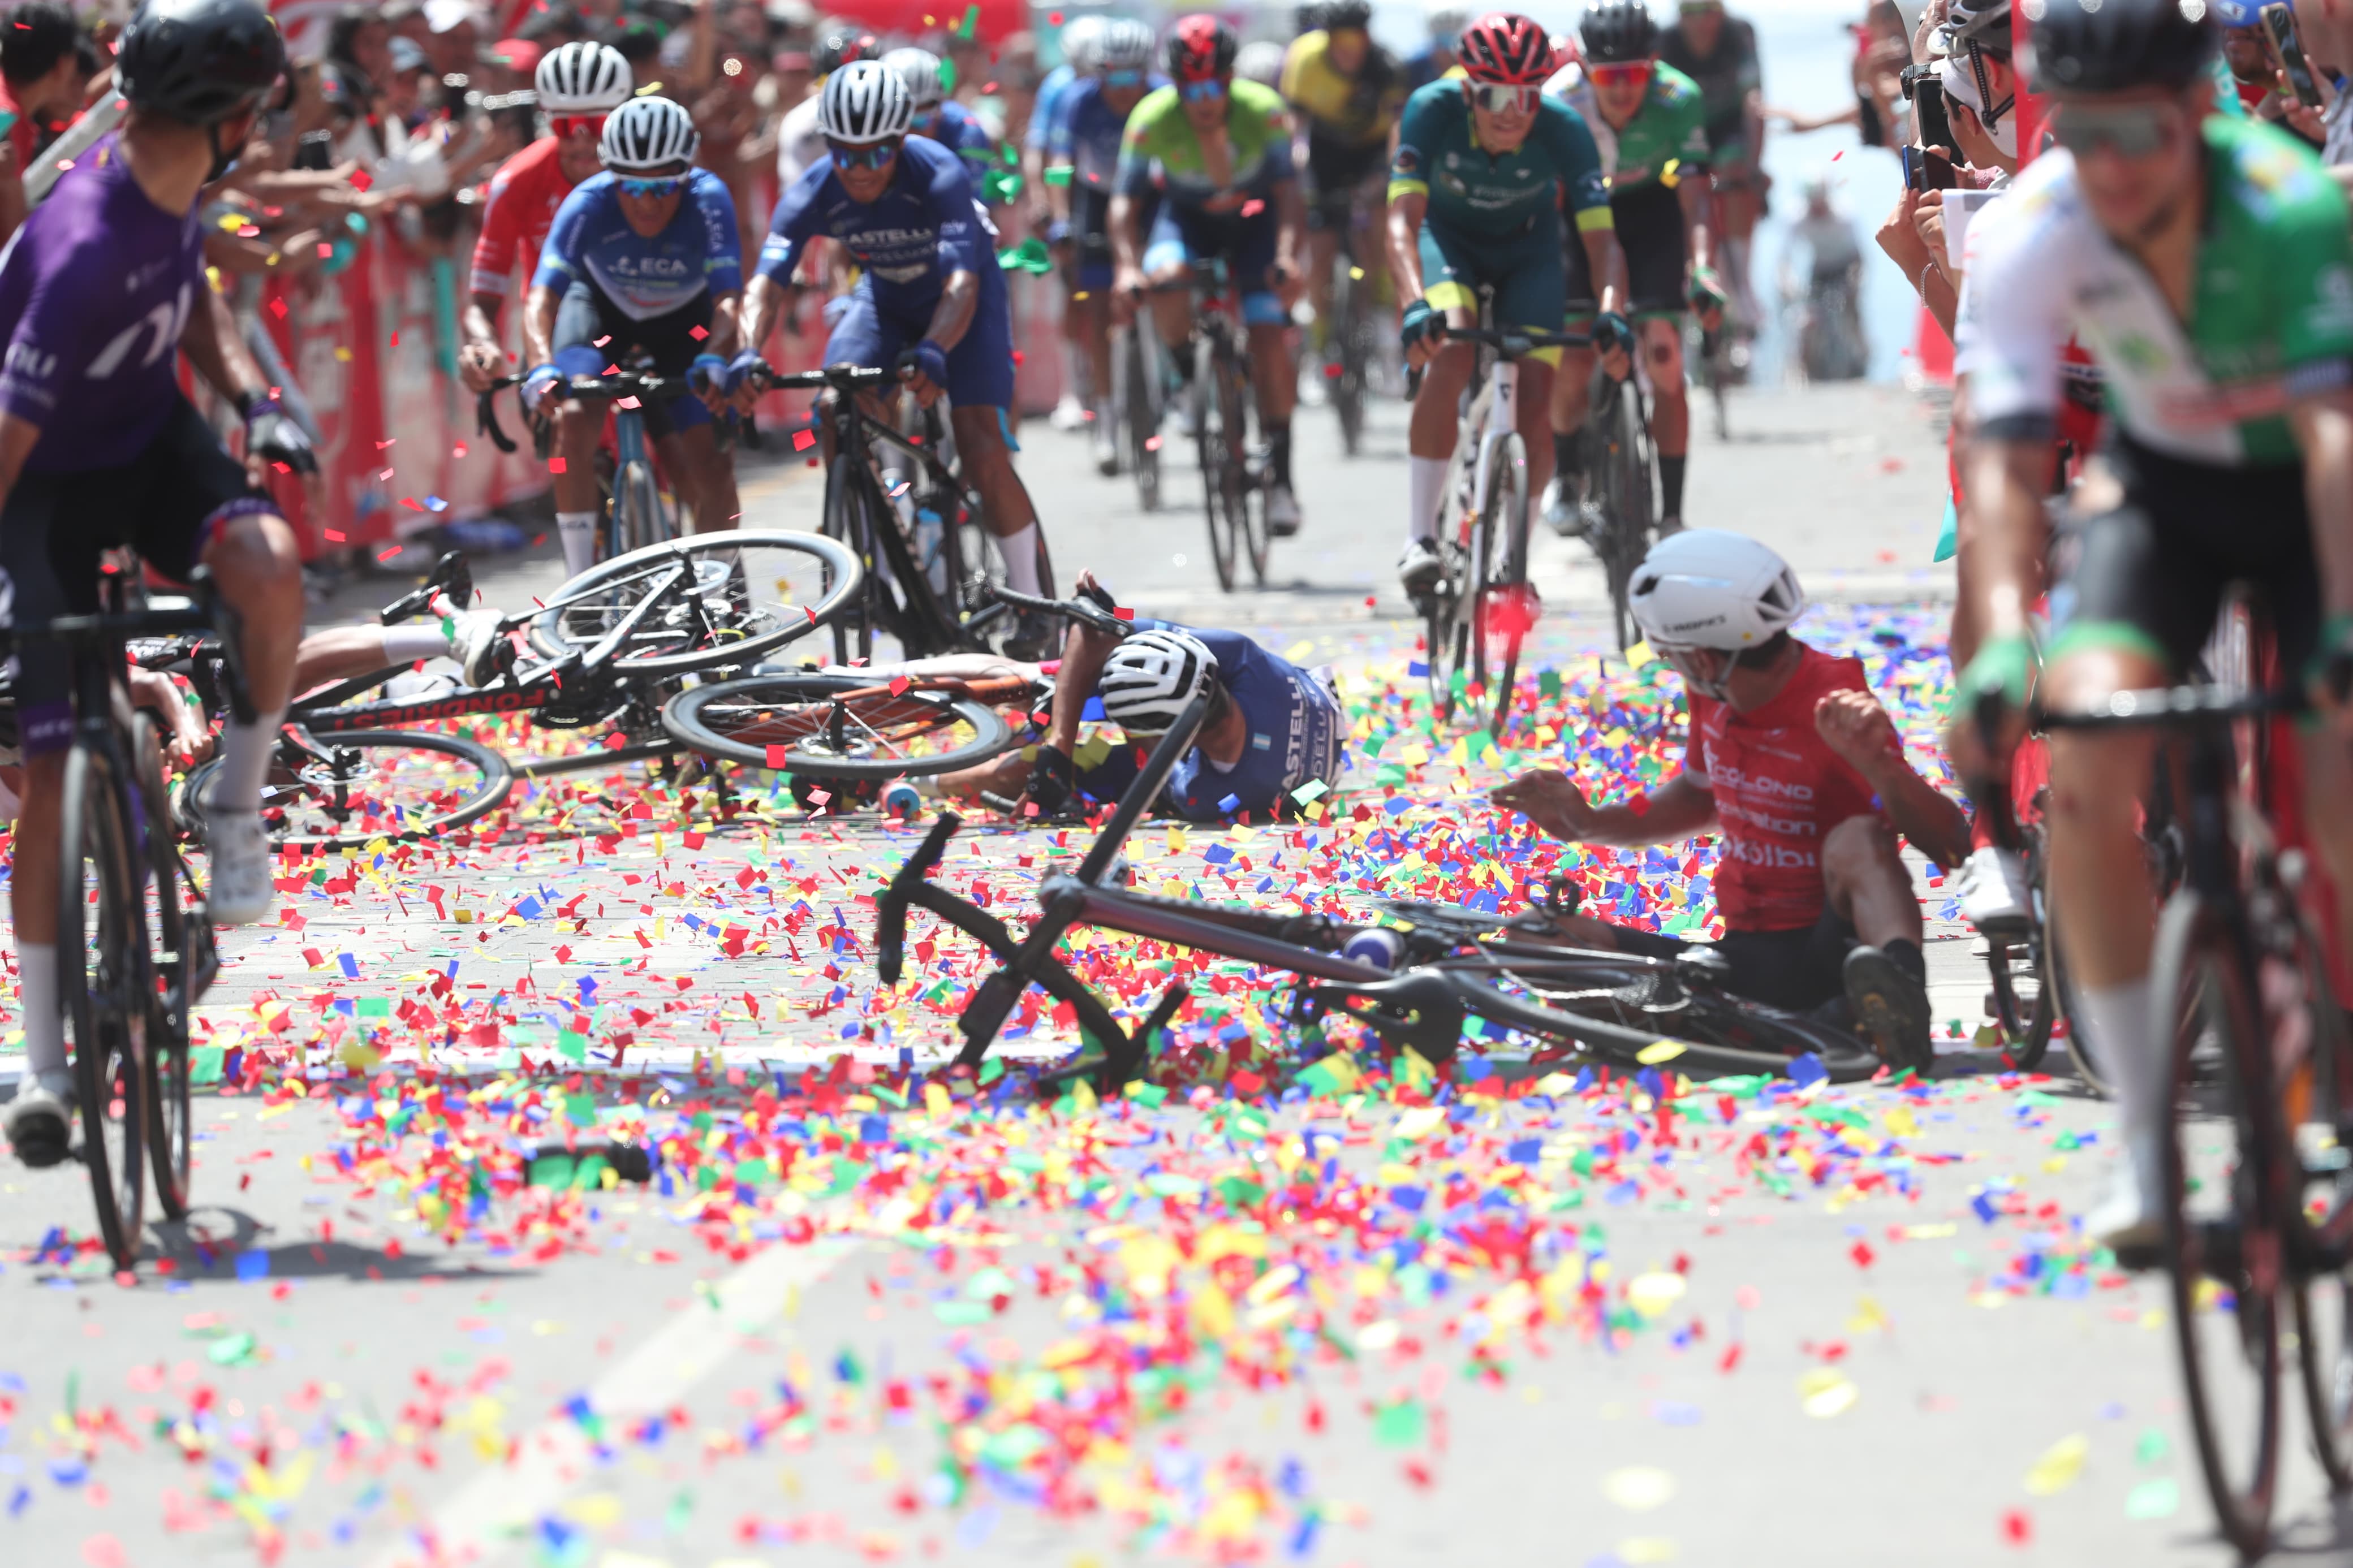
1042 108
1086 131
644 276
1295 728
954 125
925 225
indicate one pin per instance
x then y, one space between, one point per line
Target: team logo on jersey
2331 312
1408 162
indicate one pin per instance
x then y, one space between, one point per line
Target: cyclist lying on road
1791 761
1275 728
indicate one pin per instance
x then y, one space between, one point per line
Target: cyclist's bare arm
1550 799
1291 230
1405 214
539 324
764 303
2324 434
478 360
1696 193
1856 727
952 318
1607 259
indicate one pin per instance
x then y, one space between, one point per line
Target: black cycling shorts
2150 575
586 315
1795 971
1336 172
165 504
1650 220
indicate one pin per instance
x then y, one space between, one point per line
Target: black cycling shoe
1034 636
1892 1004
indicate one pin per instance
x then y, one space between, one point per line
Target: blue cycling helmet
2239 13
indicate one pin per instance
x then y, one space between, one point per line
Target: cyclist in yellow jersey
1346 92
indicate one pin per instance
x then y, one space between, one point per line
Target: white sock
245 762
579 532
405 645
1020 552
2118 1021
1077 371
44 1026
1425 477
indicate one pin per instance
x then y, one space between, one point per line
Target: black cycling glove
1053 779
273 434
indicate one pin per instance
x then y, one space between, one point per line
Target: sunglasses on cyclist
872 155
1123 78
1497 99
652 184
2139 131
1624 73
567 126
1201 91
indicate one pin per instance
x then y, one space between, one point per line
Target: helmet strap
222 160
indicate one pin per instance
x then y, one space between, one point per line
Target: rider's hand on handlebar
478 365
745 373
930 363
1418 333
707 378
1988 715
538 383
1290 281
272 436
1550 799
1127 288
1613 336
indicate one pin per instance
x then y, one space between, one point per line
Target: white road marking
491 1517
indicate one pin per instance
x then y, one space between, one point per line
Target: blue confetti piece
873 1130
252 1265
350 965
435 504
1983 1206
1410 1199
529 909
1230 803
1806 1070
1093 711
1525 1151
68 1472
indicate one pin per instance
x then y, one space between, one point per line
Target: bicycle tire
341 803
1349 308
1626 538
1214 452
171 1132
636 509
2209 1003
2318 1094
1245 497
2025 1017
1444 638
101 959
1503 605
1140 417
771 721
719 614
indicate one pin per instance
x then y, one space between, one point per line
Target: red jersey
22 134
1778 792
525 194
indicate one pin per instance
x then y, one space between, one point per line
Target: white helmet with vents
649 133
1124 44
865 101
583 79
1709 588
1152 677
919 69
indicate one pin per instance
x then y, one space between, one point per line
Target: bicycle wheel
804 724
1625 459
637 520
2024 1004
2225 1249
340 791
171 1139
102 978
1214 448
1245 501
720 598
1445 625
1351 310
1139 416
1506 609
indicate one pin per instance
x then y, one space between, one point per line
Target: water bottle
931 554
902 801
1378 946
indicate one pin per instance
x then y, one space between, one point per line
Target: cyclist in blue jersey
1078 41
100 286
941 117
931 296
1081 165
643 259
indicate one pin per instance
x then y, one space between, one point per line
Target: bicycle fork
1502 417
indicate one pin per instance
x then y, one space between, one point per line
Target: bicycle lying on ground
1453 966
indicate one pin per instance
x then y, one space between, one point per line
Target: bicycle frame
1494 414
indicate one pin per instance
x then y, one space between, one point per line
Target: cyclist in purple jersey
97 447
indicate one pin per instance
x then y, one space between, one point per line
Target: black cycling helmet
1340 15
199 61
2114 45
1618 32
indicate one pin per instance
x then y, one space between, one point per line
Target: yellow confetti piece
1277 1281
1640 655
1647 1549
1826 1391
2061 1463
1659 1051
1654 1294
1379 1336
1637 1488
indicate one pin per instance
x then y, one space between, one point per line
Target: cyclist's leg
585 317
1651 230
1176 239
1252 256
1450 280
1530 284
980 387
1570 402
1090 306
1328 198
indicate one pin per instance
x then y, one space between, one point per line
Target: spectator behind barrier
45 62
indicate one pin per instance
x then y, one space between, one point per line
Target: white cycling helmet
919 69
1153 676
1124 44
649 133
1710 588
1447 20
865 101
583 79
1081 41
1260 62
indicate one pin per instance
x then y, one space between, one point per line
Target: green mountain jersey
1670 128
1473 191
2270 317
1160 146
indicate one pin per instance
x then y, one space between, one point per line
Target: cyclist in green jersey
1719 53
2206 263
1475 198
1219 151
1651 124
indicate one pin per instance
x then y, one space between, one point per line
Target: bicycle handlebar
2174 705
1096 613
452 575
1514 343
618 385
210 615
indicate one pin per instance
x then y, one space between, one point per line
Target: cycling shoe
39 1120
1892 1004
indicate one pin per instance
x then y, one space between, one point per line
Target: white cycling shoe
1993 890
1070 413
1420 568
39 1120
483 653
2130 1221
1282 511
1105 437
1562 513
241 890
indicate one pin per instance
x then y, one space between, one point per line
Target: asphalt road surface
1533 1322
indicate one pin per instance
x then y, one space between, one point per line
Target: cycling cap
648 133
1082 43
1618 32
1151 678
1445 24
2114 45
583 79
2239 13
836 50
919 69
1260 62
1124 44
1200 48
865 101
1507 49
1707 587
199 61
1347 14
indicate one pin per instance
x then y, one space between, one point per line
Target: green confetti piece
231 1350
2157 1499
1014 1447
2153 1447
573 1044
1148 1095
1060 175
1401 1424
205 1064
961 1314
376 1008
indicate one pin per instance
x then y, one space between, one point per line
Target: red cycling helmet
1507 49
1200 48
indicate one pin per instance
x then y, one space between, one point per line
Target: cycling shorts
2149 576
980 367
1181 236
1090 237
1336 174
1525 272
166 503
1650 232
586 316
1795 971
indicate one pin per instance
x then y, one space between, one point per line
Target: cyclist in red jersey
577 85
1798 769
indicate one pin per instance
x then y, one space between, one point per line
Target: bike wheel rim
393 784
742 594
100 960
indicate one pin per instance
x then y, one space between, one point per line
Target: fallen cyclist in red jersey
1798 768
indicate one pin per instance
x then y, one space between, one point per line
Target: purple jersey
94 290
